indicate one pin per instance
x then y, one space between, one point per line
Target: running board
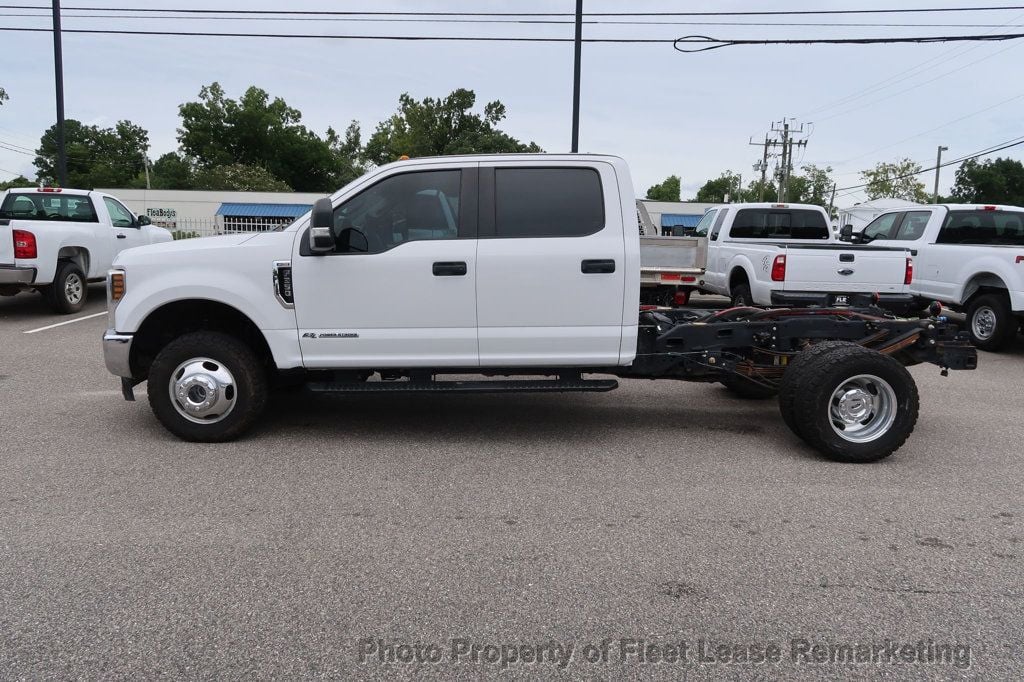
538 386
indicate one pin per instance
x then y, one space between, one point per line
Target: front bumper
117 350
896 303
10 274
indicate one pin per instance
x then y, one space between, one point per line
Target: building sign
163 217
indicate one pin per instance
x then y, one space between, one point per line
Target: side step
534 386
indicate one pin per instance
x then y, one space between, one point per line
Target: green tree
896 181
436 127
255 130
816 185
3 96
999 181
20 181
725 185
238 177
172 171
666 191
97 157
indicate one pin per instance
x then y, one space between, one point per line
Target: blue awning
678 220
263 210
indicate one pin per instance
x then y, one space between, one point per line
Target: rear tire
991 323
790 386
69 290
741 296
855 405
207 387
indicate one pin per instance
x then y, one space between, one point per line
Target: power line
710 43
1000 147
153 10
561 22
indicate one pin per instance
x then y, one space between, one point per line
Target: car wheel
69 290
741 296
991 323
854 404
207 386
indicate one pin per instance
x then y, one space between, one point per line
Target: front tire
853 404
207 387
69 290
991 323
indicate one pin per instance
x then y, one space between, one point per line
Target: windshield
705 223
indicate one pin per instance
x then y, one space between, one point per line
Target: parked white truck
501 266
786 254
969 257
57 240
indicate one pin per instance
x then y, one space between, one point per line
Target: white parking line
61 324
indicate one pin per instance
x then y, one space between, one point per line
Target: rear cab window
779 223
49 207
980 227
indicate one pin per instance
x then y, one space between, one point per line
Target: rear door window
48 206
718 224
548 202
913 225
996 228
778 223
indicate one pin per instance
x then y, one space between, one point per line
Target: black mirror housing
143 220
846 233
321 222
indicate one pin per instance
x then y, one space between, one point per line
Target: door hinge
283 283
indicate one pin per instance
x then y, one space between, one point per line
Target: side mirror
321 237
846 233
143 220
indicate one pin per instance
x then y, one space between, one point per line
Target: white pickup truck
56 240
969 257
524 266
785 254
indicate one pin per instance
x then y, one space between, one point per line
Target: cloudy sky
667 113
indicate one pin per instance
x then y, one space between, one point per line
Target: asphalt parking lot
660 512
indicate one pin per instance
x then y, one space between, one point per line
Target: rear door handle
845 271
122 236
598 266
450 269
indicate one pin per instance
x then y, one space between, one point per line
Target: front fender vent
283 283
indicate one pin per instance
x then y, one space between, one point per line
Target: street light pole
58 71
576 78
938 163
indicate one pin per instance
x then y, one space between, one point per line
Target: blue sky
665 112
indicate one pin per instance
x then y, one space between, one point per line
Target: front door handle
450 269
122 236
597 266
845 271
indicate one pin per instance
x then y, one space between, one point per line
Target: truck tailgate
840 269
6 242
673 253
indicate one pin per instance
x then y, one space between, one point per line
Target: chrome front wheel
202 390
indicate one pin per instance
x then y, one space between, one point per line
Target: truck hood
200 248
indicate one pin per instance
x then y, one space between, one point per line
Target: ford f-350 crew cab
785 254
510 266
56 240
969 257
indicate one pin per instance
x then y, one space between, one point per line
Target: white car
970 257
786 255
57 240
524 269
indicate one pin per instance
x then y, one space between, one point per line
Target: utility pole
575 78
787 142
938 163
762 165
145 165
58 69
